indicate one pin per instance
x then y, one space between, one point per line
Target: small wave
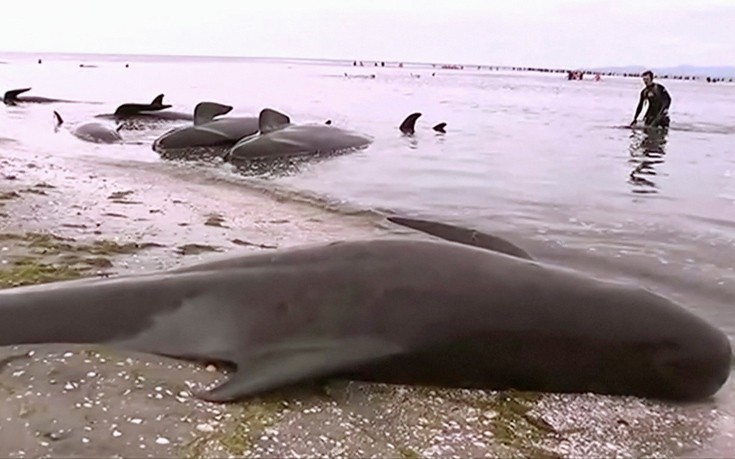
704 128
700 128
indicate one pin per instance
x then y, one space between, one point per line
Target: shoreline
62 219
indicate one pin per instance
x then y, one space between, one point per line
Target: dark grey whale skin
388 310
277 137
15 97
462 235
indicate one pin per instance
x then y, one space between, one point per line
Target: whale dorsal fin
271 120
11 96
132 109
409 124
466 236
59 119
157 101
440 127
205 112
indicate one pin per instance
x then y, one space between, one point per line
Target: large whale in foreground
208 130
277 138
387 310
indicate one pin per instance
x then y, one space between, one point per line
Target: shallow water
532 157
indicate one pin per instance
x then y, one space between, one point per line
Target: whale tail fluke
59 120
11 97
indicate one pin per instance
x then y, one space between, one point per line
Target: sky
543 33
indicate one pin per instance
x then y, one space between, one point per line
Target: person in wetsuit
659 100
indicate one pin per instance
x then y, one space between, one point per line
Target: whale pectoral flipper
293 362
467 236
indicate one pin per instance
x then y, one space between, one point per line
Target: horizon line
371 60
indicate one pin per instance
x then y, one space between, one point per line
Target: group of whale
269 135
461 309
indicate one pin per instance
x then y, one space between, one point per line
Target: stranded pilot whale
277 137
387 310
92 131
152 112
14 97
208 130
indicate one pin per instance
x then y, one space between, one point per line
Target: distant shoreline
682 72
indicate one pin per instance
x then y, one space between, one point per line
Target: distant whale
370 76
277 137
92 131
208 131
153 111
13 97
408 126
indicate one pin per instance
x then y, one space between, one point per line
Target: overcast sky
553 33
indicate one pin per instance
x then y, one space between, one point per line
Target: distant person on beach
659 100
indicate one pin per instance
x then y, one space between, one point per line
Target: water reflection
412 141
646 152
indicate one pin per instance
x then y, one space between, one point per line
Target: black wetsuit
659 101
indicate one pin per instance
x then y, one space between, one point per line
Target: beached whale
277 137
14 97
92 131
387 310
210 129
155 111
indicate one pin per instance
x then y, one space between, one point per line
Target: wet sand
65 219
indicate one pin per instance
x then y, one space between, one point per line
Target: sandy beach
64 219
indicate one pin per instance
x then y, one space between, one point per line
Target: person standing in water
659 100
